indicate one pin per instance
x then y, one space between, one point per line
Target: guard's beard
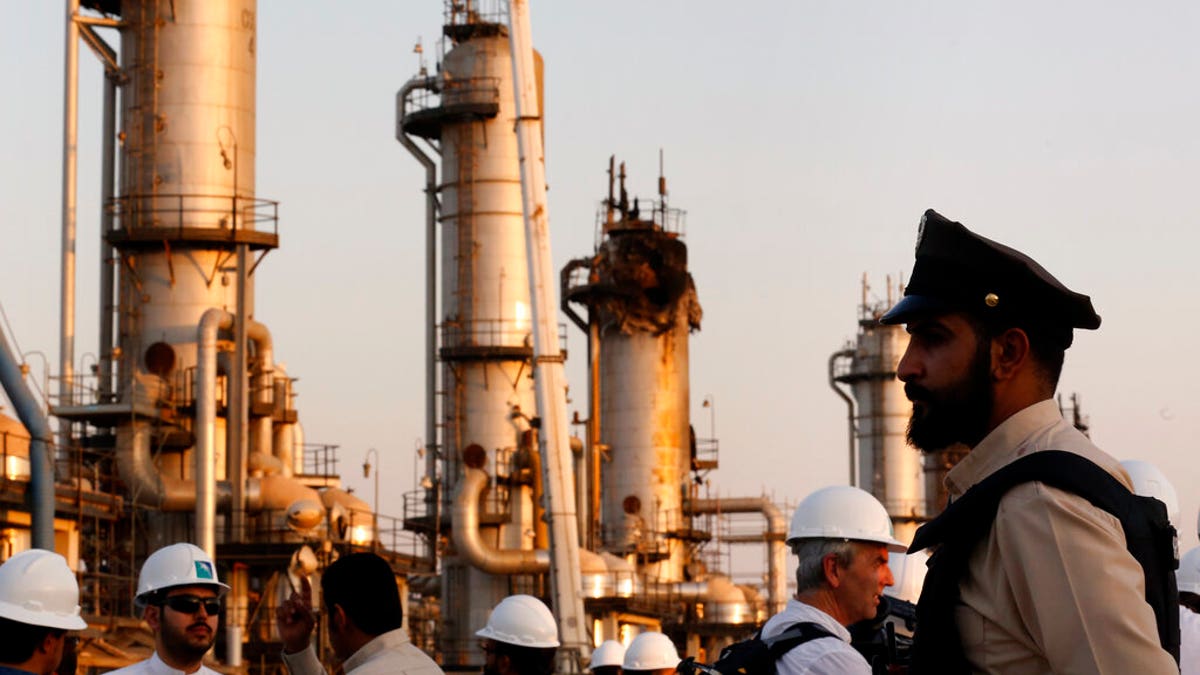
958 414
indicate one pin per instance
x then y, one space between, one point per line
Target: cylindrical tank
888 467
188 129
643 301
485 342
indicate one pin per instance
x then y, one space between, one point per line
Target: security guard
1051 587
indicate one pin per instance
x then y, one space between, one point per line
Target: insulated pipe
205 452
41 438
845 353
204 428
66 344
147 484
777 525
469 543
688 591
107 273
263 390
431 207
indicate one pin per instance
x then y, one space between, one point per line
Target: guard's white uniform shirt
1189 641
822 656
155 666
390 652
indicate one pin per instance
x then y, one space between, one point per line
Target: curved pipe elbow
469 542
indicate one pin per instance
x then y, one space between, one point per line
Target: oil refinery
189 426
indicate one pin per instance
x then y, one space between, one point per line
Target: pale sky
804 139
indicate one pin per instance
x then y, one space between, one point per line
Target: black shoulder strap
1056 468
793 636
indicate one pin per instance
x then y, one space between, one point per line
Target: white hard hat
1150 481
38 588
651 651
521 620
1188 574
610 653
843 512
909 572
178 565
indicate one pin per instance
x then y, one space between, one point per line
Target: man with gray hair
842 536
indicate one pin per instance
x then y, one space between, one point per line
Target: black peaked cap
958 270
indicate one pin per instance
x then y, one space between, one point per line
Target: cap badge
991 299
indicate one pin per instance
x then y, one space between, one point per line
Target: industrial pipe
431 208
205 425
149 486
66 344
469 542
107 271
845 353
777 524
41 439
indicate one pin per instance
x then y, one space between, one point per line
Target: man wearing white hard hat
180 594
650 654
607 658
842 536
39 603
520 638
1188 578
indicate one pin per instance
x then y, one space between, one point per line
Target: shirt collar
159 667
807 612
1000 447
392 639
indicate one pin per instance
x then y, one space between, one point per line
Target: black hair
20 640
1047 344
527 660
364 586
606 670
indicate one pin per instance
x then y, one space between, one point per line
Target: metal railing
454 92
665 218
708 451
493 333
468 12
319 459
225 212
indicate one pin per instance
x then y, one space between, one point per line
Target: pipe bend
470 544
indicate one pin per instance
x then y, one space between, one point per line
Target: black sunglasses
190 604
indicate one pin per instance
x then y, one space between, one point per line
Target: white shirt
155 666
822 656
390 652
1189 641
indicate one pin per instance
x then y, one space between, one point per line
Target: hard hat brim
487 632
892 544
46 619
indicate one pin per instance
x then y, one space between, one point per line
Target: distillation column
642 305
888 467
485 332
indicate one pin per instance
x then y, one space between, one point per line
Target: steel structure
887 466
185 429
467 113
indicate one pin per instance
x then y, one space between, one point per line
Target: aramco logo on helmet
204 570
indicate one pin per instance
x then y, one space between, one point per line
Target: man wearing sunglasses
181 595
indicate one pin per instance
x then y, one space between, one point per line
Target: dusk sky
804 139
